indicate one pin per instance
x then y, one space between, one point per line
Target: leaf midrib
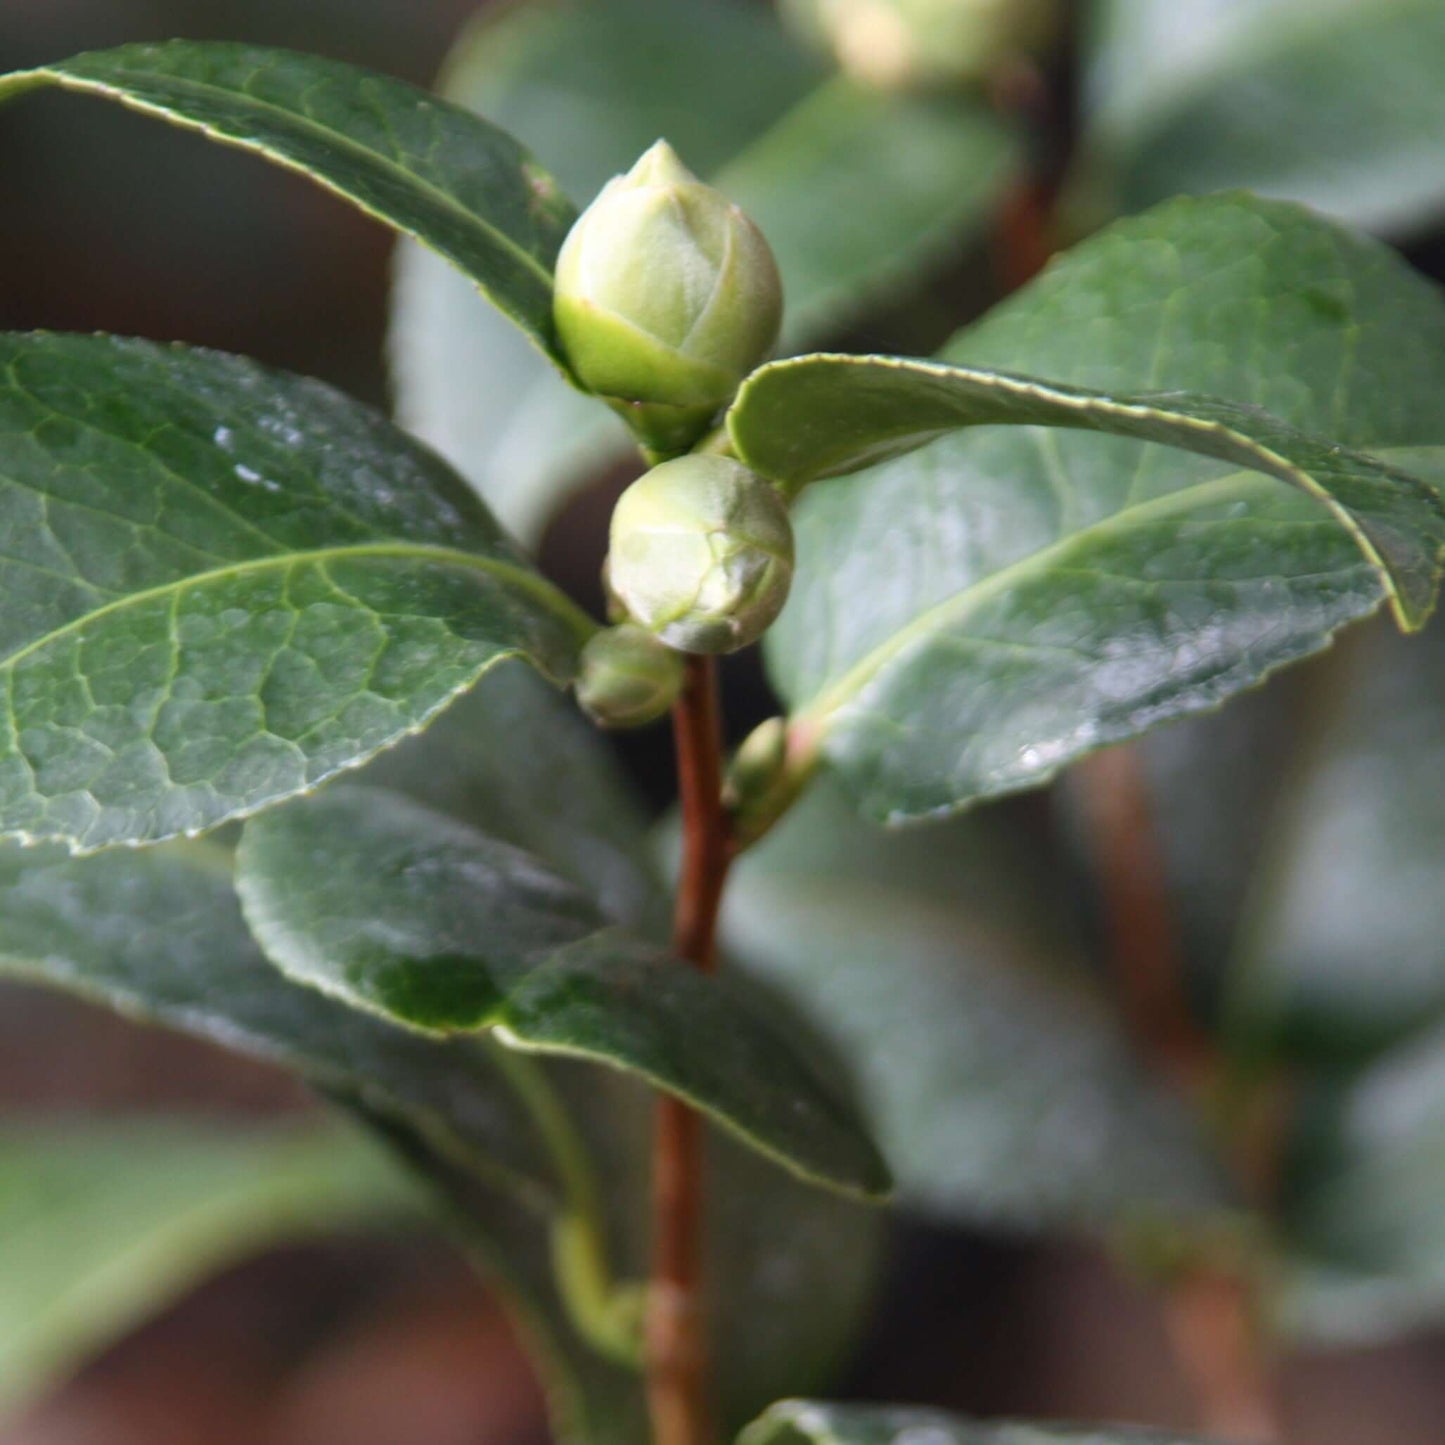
72 81
522 577
954 608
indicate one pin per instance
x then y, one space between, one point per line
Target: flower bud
667 296
702 553
917 44
627 677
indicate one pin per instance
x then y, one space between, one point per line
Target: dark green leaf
103 1224
225 584
157 934
589 84
517 760
1342 109
807 1422
940 966
395 909
433 170
823 416
968 619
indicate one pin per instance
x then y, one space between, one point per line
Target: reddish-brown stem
1209 1311
678 1369
1210 1319
1143 952
706 840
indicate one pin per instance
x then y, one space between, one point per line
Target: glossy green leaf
968 619
1363 1214
433 170
1339 106
994 1072
808 1422
590 84
158 935
103 1224
794 1266
516 760
826 415
396 909
225 584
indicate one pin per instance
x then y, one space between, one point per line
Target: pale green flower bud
913 44
667 296
627 677
702 553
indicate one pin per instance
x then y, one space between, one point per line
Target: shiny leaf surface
516 760
397 910
225 584
971 617
157 934
824 416
435 171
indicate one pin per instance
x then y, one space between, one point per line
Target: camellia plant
1196 446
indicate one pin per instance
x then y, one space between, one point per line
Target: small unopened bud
627 677
913 44
667 296
702 553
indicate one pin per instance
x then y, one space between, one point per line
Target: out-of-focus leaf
982 612
1364 1209
1338 105
224 584
809 1422
103 1224
1343 946
590 84
938 965
428 168
402 912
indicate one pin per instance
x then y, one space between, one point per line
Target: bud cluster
667 296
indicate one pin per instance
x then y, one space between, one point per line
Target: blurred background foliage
961 967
